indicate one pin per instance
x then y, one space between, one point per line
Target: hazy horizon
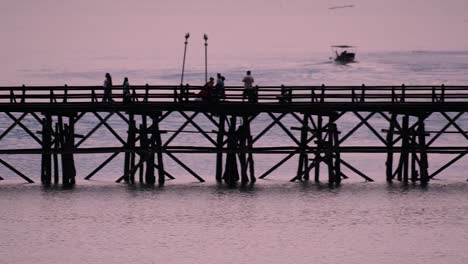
77 35
111 27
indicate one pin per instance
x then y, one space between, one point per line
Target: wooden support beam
290 135
158 143
433 139
371 128
57 142
173 157
117 136
276 166
15 122
454 124
423 164
303 157
231 173
31 134
181 128
242 142
17 172
46 159
329 155
389 145
219 146
95 128
336 154
448 164
403 168
250 158
210 117
318 151
100 167
199 129
356 127
356 171
267 128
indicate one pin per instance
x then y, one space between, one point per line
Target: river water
274 221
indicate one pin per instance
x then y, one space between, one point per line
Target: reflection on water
272 222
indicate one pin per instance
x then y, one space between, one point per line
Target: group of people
108 90
209 92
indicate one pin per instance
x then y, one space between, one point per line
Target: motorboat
344 53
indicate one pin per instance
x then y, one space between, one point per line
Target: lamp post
183 61
205 37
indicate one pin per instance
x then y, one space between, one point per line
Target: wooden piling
150 155
389 143
303 157
231 173
242 141
157 144
46 174
57 142
423 164
336 153
405 148
250 159
329 154
319 141
131 145
219 146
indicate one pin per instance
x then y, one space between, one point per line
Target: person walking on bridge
249 91
219 87
126 91
107 89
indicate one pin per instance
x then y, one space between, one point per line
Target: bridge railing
263 94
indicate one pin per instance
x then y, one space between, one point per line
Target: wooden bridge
317 140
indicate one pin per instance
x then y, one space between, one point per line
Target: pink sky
111 27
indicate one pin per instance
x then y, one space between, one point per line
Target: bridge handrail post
51 95
65 94
285 94
403 93
442 95
187 92
434 98
176 94
363 93
322 96
146 93
312 95
93 95
353 94
134 95
255 94
12 96
393 95
23 97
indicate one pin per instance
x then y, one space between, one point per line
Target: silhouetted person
249 91
206 93
107 89
219 87
127 98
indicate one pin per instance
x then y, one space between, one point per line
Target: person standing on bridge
207 91
219 87
249 91
126 91
107 89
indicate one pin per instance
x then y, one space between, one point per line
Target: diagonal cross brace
31 134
